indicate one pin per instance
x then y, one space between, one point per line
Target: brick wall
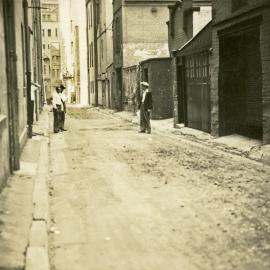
161 86
145 33
222 10
117 37
130 87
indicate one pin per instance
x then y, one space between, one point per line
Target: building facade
73 47
194 61
50 46
104 51
240 92
157 72
139 33
100 51
91 12
20 52
187 19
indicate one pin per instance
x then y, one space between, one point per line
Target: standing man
145 106
63 112
57 108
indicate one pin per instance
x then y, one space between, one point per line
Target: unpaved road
127 201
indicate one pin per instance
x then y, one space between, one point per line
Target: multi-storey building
91 7
50 45
20 44
72 21
187 19
240 78
139 33
104 51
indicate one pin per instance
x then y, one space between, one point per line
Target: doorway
119 88
240 83
181 105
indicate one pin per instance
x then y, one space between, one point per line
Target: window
56 32
43 17
43 32
91 55
91 15
145 74
49 32
118 41
197 66
48 46
44 46
237 4
98 12
48 17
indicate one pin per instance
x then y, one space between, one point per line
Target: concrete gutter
37 252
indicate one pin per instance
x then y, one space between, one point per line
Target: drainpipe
28 70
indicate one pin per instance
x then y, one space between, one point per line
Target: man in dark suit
145 106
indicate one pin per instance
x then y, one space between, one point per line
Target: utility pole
28 70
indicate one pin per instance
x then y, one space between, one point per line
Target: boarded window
197 66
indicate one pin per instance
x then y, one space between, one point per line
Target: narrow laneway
120 200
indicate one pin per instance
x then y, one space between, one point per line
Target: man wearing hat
57 108
145 106
63 112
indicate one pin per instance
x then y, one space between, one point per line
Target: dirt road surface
120 200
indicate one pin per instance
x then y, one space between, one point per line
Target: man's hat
145 84
62 86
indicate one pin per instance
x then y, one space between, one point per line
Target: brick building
100 52
50 46
240 92
193 80
20 51
139 33
104 51
187 19
91 12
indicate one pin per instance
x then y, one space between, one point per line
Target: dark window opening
145 75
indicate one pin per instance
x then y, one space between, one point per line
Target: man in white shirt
57 108
63 112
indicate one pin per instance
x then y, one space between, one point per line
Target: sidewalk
23 209
234 144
